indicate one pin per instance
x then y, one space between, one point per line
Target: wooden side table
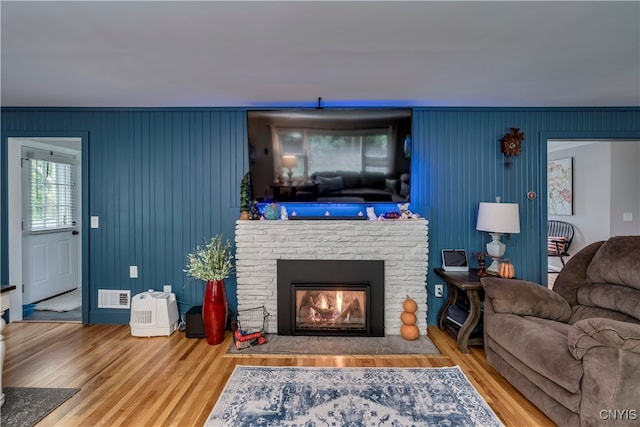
467 287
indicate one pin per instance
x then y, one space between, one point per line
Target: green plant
245 192
211 261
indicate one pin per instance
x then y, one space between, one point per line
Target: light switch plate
133 271
95 222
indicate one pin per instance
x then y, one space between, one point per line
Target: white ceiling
420 53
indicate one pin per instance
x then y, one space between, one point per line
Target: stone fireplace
265 248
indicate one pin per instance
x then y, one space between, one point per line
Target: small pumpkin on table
506 270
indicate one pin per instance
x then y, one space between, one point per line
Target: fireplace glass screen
331 309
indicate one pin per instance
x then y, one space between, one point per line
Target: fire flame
323 303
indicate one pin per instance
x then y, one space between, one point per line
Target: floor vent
113 298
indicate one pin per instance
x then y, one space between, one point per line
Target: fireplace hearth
331 297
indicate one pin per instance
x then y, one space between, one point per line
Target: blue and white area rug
353 397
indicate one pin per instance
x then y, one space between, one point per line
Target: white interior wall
625 191
605 185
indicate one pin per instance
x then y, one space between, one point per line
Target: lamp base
494 267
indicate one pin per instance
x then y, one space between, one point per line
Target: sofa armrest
523 298
601 332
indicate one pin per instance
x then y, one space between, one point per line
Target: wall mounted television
349 155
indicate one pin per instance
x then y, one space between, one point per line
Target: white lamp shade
498 218
289 161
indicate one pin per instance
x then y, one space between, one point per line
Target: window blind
49 192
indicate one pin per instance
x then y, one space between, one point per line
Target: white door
49 265
50 221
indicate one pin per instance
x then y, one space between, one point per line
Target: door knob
74 232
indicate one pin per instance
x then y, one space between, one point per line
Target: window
49 196
317 150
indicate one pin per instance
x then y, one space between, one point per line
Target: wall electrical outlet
133 271
438 291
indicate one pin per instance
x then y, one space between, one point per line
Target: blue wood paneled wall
163 180
457 163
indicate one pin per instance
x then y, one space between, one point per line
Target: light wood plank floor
175 381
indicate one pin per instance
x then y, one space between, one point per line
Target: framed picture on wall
560 186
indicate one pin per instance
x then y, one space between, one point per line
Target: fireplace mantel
401 244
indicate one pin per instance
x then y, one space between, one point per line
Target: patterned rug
26 406
355 397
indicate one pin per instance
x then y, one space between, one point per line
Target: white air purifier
154 313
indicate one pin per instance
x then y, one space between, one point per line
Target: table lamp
290 162
497 219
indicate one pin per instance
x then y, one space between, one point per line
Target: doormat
305 396
65 302
26 406
319 345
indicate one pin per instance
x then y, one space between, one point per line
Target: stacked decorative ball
409 330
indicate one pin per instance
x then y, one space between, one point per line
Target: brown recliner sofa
573 351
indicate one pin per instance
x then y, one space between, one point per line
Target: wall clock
511 143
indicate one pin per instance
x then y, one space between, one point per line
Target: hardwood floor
175 381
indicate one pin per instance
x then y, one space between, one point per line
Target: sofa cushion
542 348
612 297
616 262
373 180
549 397
580 312
405 189
351 179
598 332
391 185
329 184
525 298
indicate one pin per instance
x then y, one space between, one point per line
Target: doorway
606 176
45 221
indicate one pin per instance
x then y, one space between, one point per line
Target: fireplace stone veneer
401 244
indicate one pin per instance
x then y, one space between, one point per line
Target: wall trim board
103 317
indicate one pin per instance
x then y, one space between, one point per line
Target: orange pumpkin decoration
410 332
409 305
506 270
408 318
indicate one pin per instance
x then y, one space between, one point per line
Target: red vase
214 311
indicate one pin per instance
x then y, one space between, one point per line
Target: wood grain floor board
176 381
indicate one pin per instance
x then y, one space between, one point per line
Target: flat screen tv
330 155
